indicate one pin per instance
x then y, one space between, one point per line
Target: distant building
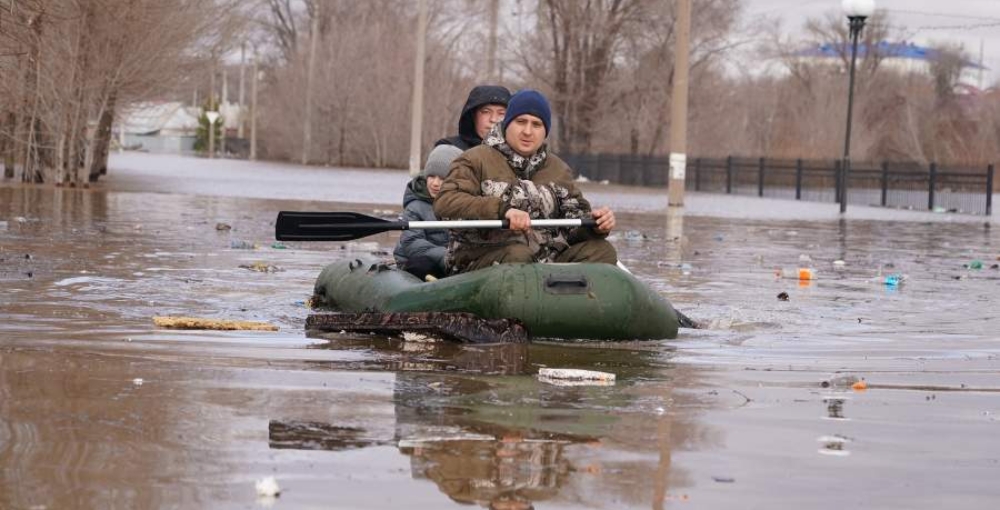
902 56
167 127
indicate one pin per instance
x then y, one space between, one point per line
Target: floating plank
574 375
460 327
211 324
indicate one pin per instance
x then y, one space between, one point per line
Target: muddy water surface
99 409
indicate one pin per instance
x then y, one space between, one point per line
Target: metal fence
888 184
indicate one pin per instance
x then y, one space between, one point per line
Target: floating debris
261 267
240 244
267 487
223 226
802 273
575 376
212 324
454 326
412 336
634 236
841 381
975 264
894 280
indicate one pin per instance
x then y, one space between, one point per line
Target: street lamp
212 117
857 12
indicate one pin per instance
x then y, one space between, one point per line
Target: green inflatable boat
558 301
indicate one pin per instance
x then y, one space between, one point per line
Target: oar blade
329 226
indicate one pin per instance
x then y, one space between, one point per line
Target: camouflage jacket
482 185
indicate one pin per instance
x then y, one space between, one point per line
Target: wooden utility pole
240 131
491 48
679 106
307 118
417 114
254 78
222 120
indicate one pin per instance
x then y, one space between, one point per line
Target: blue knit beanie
530 102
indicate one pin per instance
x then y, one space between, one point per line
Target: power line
960 27
941 14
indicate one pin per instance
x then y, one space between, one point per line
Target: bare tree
946 64
363 84
612 60
74 61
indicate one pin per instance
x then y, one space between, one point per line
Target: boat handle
567 284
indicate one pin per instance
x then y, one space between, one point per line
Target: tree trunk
102 141
7 146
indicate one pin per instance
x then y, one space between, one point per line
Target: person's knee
517 254
603 251
592 250
422 265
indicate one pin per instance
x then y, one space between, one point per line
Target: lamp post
212 117
857 12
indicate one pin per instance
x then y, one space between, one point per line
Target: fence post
885 183
837 168
760 178
729 175
697 174
930 186
798 179
989 190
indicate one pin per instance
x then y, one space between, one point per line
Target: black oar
346 226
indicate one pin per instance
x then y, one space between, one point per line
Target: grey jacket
432 243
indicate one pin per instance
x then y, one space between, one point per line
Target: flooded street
100 409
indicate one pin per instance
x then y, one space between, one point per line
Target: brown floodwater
100 409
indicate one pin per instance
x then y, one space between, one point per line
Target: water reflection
476 422
509 472
835 445
835 408
313 435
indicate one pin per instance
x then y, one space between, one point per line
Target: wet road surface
99 409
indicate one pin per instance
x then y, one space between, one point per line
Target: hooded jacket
417 206
481 95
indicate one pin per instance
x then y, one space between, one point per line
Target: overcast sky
967 22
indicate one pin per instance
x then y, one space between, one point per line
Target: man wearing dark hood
485 106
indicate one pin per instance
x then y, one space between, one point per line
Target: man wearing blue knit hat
513 176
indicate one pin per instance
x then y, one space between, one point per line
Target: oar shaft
418 225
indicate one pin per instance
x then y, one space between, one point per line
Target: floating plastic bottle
801 273
893 280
